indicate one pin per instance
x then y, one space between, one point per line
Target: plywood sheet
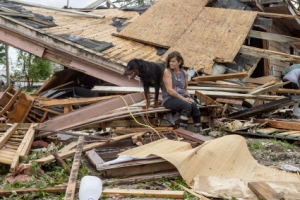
215 34
213 158
164 22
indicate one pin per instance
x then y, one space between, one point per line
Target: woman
174 91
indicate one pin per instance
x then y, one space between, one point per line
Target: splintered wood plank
172 24
65 154
214 30
221 76
273 37
70 192
191 136
264 53
8 134
94 157
280 124
264 191
230 101
23 147
72 101
272 82
145 193
27 142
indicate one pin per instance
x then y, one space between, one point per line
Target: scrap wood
207 100
280 124
117 89
272 82
145 193
50 158
94 157
291 91
264 192
71 101
135 167
190 191
143 178
70 191
270 88
23 148
191 136
60 161
75 118
119 115
135 130
260 80
221 76
230 101
19 191
8 134
245 133
274 105
72 133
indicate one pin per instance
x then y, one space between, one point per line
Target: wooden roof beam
273 37
263 53
275 15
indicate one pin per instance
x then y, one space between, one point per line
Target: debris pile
88 120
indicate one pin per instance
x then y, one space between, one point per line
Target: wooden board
280 124
20 109
221 76
71 187
156 26
214 30
192 136
263 191
273 37
145 193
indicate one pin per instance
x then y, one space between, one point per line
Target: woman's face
174 63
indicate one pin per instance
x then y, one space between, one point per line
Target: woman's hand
188 99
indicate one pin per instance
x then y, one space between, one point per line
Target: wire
136 120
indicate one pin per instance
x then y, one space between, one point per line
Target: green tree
2 54
31 68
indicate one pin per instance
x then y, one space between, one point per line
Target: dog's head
134 68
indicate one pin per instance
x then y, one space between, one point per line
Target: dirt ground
274 153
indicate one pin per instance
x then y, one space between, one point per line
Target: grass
255 145
51 175
286 145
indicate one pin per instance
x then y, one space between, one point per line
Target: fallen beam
191 136
263 191
280 124
75 118
273 37
65 154
126 90
221 76
264 53
274 105
145 193
71 187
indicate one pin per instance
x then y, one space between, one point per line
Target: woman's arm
299 82
167 79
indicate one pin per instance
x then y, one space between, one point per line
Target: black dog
150 73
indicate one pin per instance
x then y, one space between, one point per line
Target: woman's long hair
178 56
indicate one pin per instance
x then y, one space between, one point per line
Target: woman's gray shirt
177 85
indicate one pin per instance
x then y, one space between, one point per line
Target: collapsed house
238 49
